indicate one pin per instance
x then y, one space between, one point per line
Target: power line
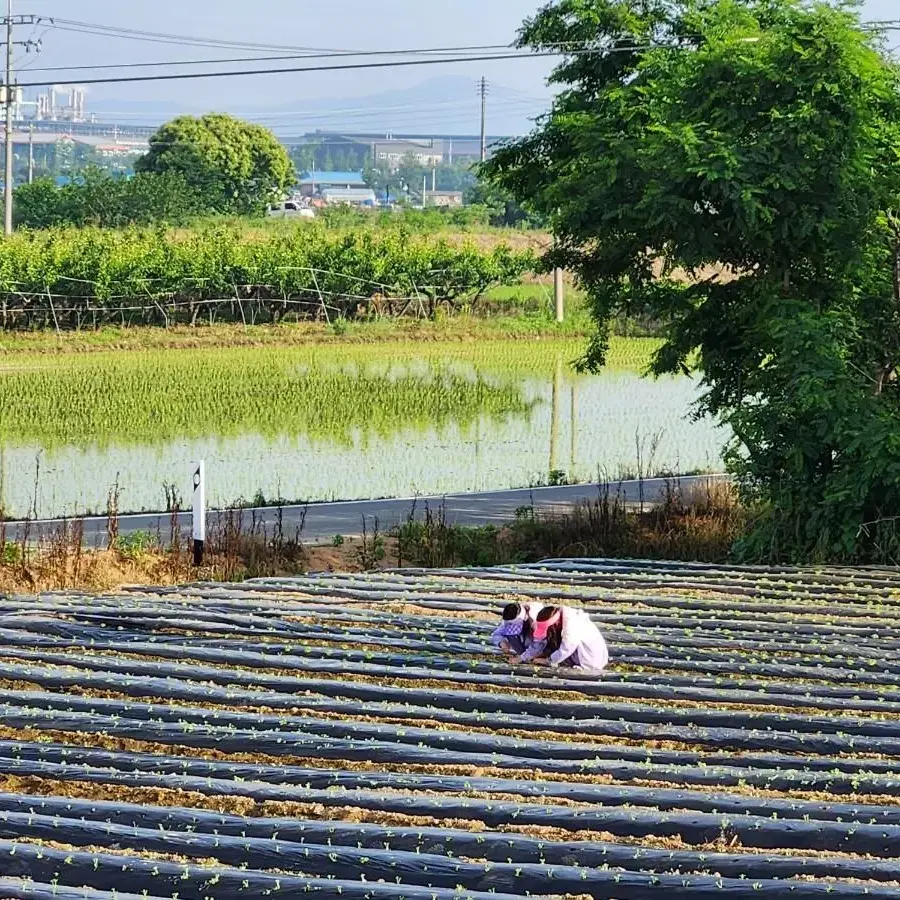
162 37
191 76
322 55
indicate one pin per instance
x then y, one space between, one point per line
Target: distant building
391 154
446 199
314 183
60 105
350 196
389 150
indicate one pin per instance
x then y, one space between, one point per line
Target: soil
105 742
242 806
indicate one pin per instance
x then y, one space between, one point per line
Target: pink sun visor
541 628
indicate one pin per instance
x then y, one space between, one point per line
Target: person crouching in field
513 634
563 636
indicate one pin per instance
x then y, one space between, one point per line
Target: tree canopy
99 198
236 166
734 166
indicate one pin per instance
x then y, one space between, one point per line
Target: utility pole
483 89
8 166
559 295
31 155
9 103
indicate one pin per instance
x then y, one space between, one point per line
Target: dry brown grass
699 523
58 566
690 523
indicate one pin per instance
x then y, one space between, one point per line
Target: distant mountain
446 105
443 105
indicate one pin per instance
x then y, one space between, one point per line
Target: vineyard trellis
70 279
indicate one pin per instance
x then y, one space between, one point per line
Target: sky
443 95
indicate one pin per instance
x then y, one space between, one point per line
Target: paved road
325 520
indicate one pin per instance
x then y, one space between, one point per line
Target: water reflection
566 426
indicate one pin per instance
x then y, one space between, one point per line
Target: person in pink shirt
564 636
513 634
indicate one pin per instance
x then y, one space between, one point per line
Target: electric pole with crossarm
9 96
483 90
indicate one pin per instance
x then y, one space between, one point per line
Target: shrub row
72 278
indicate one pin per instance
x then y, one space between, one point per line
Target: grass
699 524
237 547
687 525
505 313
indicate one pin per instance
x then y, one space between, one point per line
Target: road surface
322 521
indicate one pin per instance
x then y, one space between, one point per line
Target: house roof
332 178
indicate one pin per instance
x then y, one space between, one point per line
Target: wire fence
92 306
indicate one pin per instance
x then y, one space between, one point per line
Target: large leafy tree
734 166
235 166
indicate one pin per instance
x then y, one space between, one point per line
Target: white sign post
199 509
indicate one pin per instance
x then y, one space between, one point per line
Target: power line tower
483 91
9 98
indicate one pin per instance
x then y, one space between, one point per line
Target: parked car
290 209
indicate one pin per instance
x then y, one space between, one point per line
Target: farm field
353 736
336 422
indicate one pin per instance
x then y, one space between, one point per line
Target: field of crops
333 422
88 277
352 736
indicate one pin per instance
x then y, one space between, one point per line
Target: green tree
98 198
304 157
504 211
456 176
754 147
238 167
383 180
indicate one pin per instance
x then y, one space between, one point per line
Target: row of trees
220 165
215 164
324 156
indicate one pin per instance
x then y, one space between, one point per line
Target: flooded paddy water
336 422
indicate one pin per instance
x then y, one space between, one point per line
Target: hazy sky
333 24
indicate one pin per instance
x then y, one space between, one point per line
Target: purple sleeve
534 649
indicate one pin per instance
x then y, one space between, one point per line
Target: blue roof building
353 178
314 182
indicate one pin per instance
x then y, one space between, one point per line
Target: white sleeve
571 637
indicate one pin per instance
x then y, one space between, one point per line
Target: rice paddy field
333 422
354 736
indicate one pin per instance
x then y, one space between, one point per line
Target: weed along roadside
658 518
